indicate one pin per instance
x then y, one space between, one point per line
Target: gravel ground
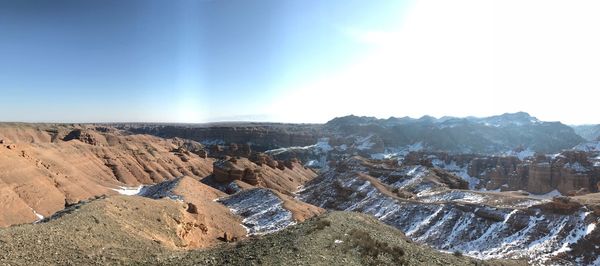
137 231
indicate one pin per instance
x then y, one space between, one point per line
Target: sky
297 60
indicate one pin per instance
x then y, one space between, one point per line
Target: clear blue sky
297 60
158 60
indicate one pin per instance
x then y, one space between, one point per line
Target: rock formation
40 172
285 177
262 136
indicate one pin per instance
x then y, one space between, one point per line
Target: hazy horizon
263 121
297 61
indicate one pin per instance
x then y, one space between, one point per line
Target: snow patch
522 155
39 216
460 171
210 142
588 146
262 210
323 145
130 191
364 143
577 167
453 196
415 146
549 195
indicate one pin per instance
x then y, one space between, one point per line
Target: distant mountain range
488 135
588 132
494 134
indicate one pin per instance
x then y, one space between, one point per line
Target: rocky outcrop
232 150
285 177
228 170
569 172
85 136
212 219
264 159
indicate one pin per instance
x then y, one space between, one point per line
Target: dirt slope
119 228
45 167
202 200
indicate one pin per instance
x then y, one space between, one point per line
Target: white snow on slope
130 191
398 152
577 167
261 209
549 195
39 216
522 155
454 168
322 146
534 236
364 143
588 146
455 196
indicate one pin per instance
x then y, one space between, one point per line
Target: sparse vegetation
372 248
322 223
